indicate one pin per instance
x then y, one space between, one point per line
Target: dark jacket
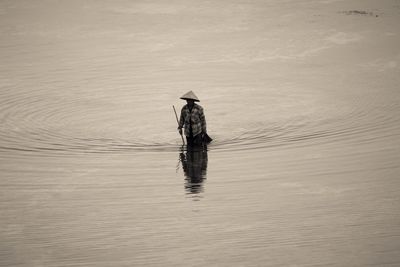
194 118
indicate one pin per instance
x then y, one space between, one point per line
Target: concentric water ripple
63 124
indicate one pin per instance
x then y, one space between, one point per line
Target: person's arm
203 121
181 121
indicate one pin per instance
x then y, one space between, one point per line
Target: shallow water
302 101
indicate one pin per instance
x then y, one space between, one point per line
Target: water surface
302 101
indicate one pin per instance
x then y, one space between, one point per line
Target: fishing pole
176 116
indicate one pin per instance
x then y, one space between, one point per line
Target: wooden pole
176 116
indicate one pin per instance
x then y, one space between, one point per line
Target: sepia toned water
301 98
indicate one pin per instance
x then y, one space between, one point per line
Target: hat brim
195 100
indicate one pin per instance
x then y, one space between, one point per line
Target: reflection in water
194 163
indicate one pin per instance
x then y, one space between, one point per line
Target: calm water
301 97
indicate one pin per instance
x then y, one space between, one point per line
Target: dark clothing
194 140
193 120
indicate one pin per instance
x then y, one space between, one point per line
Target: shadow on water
194 162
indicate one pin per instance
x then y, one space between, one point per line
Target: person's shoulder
184 107
198 107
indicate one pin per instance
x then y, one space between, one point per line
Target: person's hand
180 131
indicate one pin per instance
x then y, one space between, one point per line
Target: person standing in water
193 120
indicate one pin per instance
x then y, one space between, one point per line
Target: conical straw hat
190 95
